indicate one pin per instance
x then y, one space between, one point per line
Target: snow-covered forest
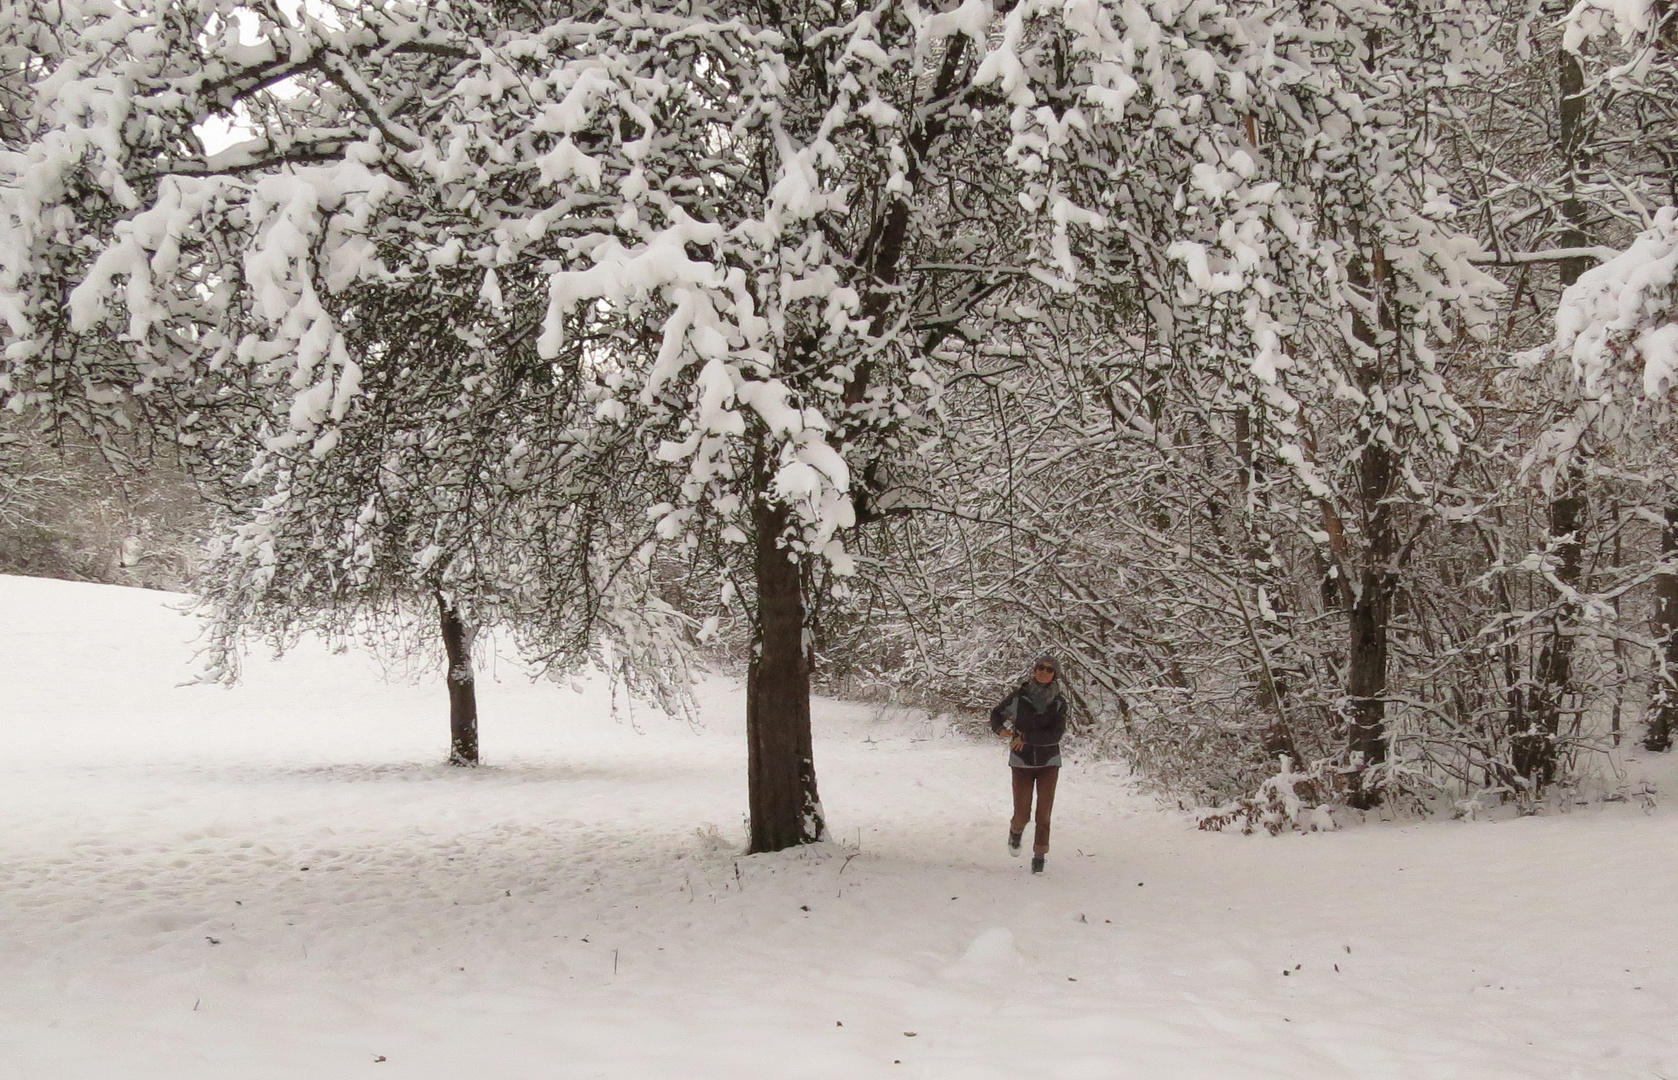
758 386
1301 372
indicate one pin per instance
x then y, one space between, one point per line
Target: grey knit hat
1048 661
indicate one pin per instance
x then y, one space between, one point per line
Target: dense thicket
122 513
1208 593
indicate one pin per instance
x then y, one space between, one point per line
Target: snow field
578 908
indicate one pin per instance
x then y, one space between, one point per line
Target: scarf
1040 696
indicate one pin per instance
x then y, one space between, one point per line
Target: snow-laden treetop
750 219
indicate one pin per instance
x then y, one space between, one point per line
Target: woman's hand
1018 744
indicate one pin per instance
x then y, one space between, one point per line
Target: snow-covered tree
1327 284
237 301
467 489
1612 430
1281 304
728 206
1618 325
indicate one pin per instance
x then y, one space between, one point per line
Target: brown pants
1044 781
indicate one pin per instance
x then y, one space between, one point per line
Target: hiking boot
1014 844
1037 864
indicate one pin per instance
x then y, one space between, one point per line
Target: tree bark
780 764
1663 707
463 694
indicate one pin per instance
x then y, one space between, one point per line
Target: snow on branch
1618 323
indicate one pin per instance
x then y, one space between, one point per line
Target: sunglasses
1044 667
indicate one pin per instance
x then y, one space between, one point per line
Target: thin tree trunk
1570 82
1265 625
1533 748
1535 726
780 766
1509 655
463 694
1621 659
1663 708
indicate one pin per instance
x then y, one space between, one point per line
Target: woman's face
1044 674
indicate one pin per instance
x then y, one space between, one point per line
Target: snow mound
992 952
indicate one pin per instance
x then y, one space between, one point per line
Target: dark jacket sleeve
999 715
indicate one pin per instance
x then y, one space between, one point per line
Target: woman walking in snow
1033 719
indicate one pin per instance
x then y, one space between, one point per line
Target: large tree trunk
1368 626
780 765
1663 707
1369 614
463 694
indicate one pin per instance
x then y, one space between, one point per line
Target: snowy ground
278 881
